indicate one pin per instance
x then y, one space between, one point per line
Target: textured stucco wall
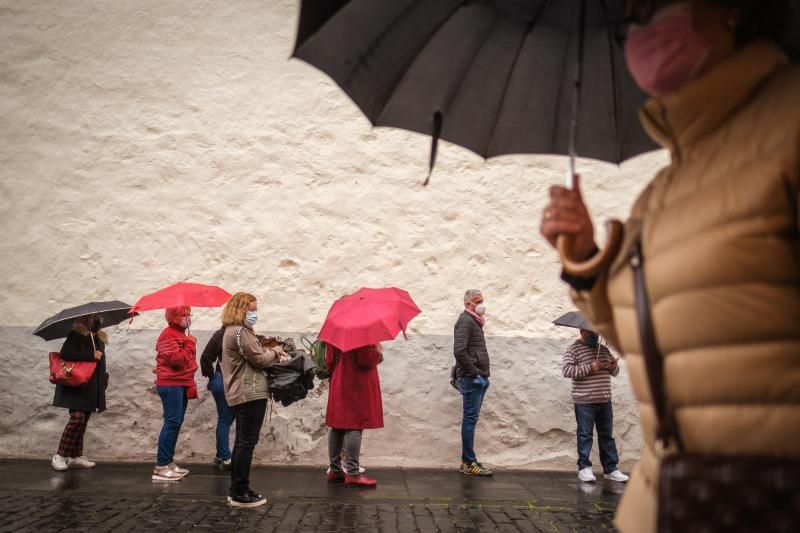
146 142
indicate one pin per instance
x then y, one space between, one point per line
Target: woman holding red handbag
84 343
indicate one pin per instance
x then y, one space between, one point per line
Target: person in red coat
176 363
354 404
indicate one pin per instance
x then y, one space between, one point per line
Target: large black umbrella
59 325
495 76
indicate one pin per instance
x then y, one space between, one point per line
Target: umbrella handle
598 262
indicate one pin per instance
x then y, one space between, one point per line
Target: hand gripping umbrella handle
602 259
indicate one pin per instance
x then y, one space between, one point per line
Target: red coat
354 397
176 360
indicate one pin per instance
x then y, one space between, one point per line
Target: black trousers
249 419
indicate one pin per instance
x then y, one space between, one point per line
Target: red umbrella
179 294
368 316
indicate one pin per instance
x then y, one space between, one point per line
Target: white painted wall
147 142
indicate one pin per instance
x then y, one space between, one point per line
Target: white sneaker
166 473
179 469
59 463
81 462
616 475
586 474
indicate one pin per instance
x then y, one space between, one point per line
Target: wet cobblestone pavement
117 497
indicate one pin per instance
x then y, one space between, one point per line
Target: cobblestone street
122 498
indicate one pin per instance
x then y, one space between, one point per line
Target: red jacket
176 360
354 397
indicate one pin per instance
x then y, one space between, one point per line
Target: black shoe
222 464
250 499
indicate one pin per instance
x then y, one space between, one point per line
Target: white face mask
480 309
250 318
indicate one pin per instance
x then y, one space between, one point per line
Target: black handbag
703 492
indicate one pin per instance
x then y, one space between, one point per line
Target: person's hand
282 356
612 365
566 214
597 366
192 338
97 355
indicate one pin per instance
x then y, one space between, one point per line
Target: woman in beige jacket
720 233
246 390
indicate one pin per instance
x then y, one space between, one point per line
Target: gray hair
470 294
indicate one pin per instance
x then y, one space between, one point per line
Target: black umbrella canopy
574 319
494 76
108 313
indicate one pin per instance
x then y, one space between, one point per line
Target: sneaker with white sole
59 463
179 469
586 474
248 499
81 462
616 475
166 473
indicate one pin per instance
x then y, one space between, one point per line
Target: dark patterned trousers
71 444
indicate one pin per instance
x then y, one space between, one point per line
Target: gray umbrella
574 319
59 325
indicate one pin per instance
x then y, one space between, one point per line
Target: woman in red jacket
175 367
354 404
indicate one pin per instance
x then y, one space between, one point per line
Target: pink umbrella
368 316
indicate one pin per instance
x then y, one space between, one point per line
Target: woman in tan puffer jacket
720 233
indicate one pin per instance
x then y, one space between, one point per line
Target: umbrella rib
449 98
557 114
361 61
614 87
414 59
518 53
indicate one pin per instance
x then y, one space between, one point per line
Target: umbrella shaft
576 91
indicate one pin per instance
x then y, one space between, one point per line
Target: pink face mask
666 53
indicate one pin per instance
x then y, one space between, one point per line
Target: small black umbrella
59 325
574 319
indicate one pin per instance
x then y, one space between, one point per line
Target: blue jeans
589 415
174 401
473 389
225 415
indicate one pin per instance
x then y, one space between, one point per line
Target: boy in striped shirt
590 365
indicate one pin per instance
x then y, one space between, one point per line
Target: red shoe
359 481
335 477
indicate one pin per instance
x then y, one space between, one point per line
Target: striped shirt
588 386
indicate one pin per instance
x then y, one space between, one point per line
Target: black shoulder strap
666 430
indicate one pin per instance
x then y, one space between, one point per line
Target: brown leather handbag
711 493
